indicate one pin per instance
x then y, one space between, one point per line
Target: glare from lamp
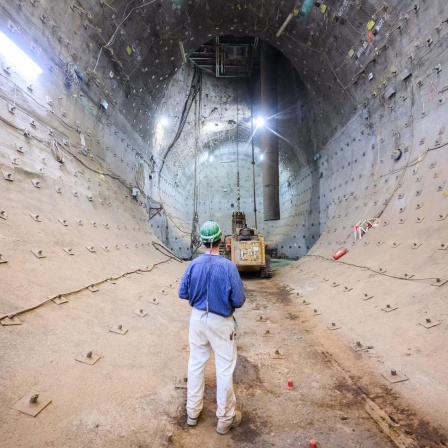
164 121
259 122
17 58
211 158
261 157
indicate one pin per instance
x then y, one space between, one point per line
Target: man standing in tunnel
213 287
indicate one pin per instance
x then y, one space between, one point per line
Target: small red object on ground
313 443
290 384
339 253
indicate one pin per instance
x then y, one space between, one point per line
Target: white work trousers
209 331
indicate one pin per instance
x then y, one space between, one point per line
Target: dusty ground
322 405
128 398
394 340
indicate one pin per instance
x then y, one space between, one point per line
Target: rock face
119 106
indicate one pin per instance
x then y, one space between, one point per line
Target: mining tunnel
127 124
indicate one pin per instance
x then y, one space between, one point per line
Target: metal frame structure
227 56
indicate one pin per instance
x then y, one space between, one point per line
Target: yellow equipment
246 247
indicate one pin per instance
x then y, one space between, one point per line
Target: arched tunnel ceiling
318 38
329 43
135 48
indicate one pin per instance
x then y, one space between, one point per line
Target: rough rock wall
64 225
67 166
390 161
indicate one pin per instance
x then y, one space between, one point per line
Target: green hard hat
210 232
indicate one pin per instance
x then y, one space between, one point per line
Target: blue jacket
219 278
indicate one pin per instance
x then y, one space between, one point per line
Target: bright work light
259 122
16 58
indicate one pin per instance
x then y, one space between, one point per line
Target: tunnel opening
219 175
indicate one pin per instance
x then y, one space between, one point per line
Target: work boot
235 422
192 421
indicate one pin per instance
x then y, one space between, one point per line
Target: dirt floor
388 341
129 399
